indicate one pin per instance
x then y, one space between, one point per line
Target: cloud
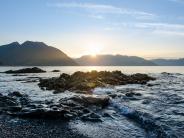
103 9
166 29
162 26
155 28
169 33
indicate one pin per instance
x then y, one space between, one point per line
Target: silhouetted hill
113 60
33 54
169 62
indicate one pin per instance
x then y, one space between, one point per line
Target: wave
152 126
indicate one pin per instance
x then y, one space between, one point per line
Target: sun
94 50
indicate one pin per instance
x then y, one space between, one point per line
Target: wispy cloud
169 33
104 9
155 28
162 26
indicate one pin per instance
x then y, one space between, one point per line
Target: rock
140 78
16 94
19 75
78 107
13 102
131 94
24 101
92 100
58 91
151 85
83 92
86 110
165 73
26 70
84 82
146 101
112 95
14 108
6 101
56 71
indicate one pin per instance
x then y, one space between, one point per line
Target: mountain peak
15 43
33 43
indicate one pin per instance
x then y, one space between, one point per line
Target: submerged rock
86 81
26 70
131 94
17 94
56 71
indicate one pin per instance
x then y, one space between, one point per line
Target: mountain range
113 60
169 62
32 53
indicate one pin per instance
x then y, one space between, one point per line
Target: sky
145 28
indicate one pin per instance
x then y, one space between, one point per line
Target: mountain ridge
169 62
32 53
113 60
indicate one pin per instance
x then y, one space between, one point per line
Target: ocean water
158 112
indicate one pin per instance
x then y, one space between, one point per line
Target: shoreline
134 110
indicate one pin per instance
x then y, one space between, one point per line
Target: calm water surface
128 69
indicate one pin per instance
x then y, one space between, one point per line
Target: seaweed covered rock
26 70
86 81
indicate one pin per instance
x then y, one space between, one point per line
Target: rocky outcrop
26 70
76 107
85 81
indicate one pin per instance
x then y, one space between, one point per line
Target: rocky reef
83 82
26 70
76 107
